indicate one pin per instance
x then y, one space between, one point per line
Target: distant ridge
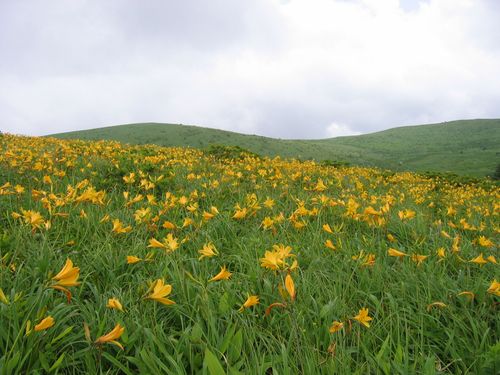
465 147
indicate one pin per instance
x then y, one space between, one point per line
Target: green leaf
57 363
117 363
43 361
234 351
196 333
227 339
12 363
382 357
213 364
224 305
60 336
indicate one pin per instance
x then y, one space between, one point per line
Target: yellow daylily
290 287
3 298
112 336
417 258
494 288
46 323
118 227
327 228
330 245
224 274
363 317
114 303
68 276
251 301
160 291
208 251
395 253
336 326
132 259
479 260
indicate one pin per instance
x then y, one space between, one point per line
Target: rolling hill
466 147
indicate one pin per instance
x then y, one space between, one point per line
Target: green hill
467 147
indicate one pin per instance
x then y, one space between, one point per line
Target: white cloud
283 69
339 130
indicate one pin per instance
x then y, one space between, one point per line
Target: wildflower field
123 259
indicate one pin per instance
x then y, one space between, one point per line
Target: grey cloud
247 66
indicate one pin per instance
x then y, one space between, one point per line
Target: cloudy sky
288 69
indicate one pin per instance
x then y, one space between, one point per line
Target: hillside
467 147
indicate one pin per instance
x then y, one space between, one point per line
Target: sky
280 68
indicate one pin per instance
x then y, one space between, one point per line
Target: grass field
120 259
469 147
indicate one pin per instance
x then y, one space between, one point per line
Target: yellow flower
207 215
33 218
363 317
240 213
267 223
327 228
290 286
272 260
160 291
417 258
168 225
441 252
46 323
153 242
68 276
320 186
485 242
492 259
269 203
224 274
207 251
251 301
336 326
130 179
479 260
3 298
171 242
112 336
131 259
436 304
369 260
445 234
118 227
330 245
187 222
406 214
114 303
390 238
494 288
455 245
395 253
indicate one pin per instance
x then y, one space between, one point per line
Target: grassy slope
204 328
468 147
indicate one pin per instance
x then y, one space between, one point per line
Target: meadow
465 147
126 259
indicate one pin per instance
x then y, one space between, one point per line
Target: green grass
469 147
203 333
